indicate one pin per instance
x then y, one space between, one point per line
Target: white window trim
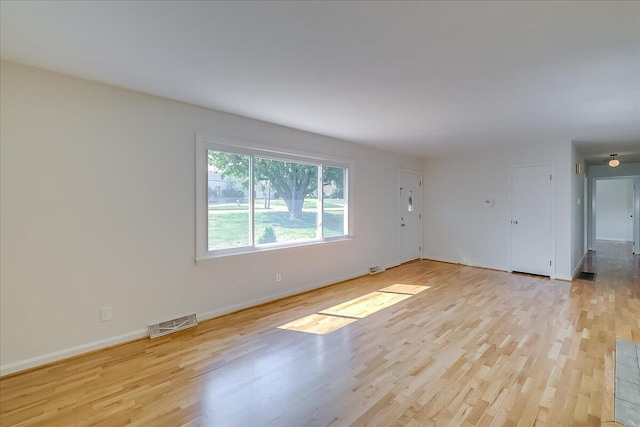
205 143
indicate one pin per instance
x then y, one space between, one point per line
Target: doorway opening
615 209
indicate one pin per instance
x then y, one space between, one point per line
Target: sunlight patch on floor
318 324
366 305
399 288
341 315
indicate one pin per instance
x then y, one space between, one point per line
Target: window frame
206 143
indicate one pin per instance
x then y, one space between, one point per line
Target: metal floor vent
375 269
584 275
178 324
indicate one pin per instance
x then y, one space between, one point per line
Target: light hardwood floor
478 348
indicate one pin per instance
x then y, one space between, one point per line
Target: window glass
252 199
228 219
286 201
334 218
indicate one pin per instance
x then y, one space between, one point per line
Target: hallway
615 262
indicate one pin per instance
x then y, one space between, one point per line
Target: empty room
320 213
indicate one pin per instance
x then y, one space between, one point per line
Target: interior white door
636 215
531 219
410 220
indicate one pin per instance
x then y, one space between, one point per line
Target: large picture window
253 199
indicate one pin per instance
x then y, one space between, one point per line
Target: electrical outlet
278 277
106 313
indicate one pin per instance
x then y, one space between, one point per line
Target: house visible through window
260 200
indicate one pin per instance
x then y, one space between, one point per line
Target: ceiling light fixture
614 162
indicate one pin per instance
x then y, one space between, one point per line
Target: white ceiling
421 78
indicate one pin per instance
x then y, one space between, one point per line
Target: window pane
286 205
228 200
333 213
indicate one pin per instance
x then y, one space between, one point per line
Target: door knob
514 222
402 225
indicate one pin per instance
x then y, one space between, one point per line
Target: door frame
398 215
585 218
636 210
552 231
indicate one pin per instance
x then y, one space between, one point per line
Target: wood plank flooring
366 305
477 348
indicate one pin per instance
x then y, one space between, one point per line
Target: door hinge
420 216
420 248
550 177
549 263
420 183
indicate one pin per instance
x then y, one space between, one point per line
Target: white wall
614 209
598 172
97 203
457 228
577 210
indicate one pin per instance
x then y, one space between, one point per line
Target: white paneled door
410 220
531 189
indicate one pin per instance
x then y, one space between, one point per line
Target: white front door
410 221
531 219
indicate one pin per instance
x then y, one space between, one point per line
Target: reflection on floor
338 316
319 324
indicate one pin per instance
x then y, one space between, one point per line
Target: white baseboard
577 269
490 267
248 304
388 266
434 258
468 264
33 362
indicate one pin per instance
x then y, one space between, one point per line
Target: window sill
266 249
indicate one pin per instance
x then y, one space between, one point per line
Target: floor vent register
174 325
